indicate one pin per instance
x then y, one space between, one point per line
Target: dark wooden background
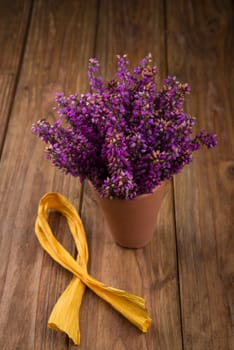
186 273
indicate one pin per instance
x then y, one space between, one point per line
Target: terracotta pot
132 222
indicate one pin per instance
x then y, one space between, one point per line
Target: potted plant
127 136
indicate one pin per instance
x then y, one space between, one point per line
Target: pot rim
160 186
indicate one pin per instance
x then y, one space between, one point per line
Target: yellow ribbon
65 314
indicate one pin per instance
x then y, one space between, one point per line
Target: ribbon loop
65 314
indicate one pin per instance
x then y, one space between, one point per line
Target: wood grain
14 20
45 48
60 40
200 51
135 28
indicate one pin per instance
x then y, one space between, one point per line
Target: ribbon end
73 335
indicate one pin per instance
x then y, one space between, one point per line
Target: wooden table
186 273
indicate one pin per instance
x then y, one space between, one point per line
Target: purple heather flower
127 135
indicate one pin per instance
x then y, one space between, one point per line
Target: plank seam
83 186
177 263
96 28
17 76
173 184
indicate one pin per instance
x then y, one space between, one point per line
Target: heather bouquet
126 135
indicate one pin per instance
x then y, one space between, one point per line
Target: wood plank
200 51
14 20
135 28
61 38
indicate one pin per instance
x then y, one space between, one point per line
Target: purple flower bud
126 135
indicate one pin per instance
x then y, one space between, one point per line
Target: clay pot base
133 222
